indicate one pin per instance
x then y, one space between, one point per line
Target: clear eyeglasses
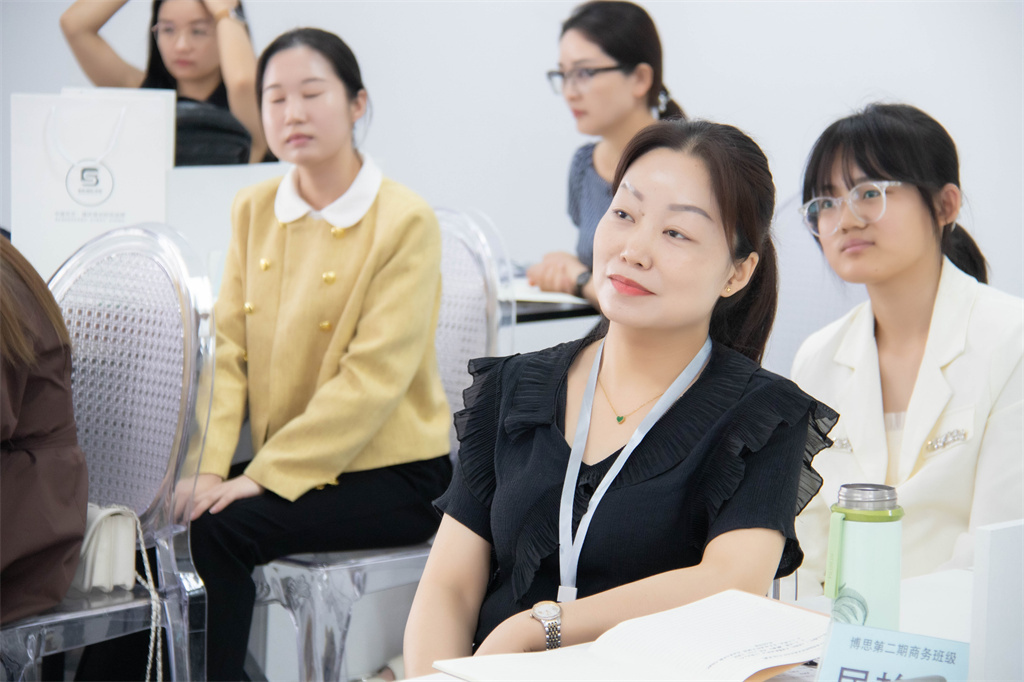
167 32
578 78
822 215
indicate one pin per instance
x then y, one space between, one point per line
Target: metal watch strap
553 633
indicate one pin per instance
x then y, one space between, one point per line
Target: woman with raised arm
927 373
325 339
199 48
635 473
610 74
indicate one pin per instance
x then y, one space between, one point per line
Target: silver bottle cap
867 496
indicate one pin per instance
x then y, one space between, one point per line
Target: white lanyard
568 549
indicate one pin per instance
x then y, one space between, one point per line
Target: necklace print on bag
621 418
88 181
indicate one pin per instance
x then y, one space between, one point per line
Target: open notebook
729 636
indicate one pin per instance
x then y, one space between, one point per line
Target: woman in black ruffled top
685 272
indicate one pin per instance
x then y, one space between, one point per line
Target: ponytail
744 320
668 108
963 252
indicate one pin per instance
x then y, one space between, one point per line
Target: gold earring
728 290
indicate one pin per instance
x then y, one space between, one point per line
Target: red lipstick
626 286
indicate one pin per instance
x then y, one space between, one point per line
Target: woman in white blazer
926 374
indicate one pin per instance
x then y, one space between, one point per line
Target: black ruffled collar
720 385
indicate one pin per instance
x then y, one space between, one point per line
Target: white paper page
522 291
571 664
728 636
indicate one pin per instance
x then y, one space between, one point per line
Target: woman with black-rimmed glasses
610 74
927 373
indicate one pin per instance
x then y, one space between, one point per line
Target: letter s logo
90 177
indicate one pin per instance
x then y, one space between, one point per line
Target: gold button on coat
325 325
328 277
264 264
248 308
337 231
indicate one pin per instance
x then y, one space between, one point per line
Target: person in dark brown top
43 481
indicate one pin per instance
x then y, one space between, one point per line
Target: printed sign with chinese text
855 653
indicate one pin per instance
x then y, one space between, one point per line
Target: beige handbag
108 562
108 550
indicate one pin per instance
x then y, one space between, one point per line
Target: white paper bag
81 166
167 96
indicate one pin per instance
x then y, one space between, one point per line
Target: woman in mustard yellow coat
325 338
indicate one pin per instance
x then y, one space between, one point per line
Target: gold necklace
621 418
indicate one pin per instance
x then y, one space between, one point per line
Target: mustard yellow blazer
325 338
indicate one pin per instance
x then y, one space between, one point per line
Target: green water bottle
862 571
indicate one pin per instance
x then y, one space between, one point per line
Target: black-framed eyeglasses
867 202
579 78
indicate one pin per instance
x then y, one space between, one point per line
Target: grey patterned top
589 197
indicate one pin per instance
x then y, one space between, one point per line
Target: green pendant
620 419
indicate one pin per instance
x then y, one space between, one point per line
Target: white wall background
463 114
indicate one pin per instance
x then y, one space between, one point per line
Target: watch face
546 610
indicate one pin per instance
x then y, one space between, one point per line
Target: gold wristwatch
549 614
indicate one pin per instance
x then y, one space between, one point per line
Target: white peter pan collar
345 211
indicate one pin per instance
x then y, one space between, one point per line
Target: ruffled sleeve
468 498
760 473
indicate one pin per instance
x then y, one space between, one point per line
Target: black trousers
366 510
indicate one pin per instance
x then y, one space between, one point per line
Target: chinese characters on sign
903 650
862 654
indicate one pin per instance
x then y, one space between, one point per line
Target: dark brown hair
330 46
157 75
17 274
743 186
626 33
897 142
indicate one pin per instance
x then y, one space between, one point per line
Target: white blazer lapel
947 336
860 403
